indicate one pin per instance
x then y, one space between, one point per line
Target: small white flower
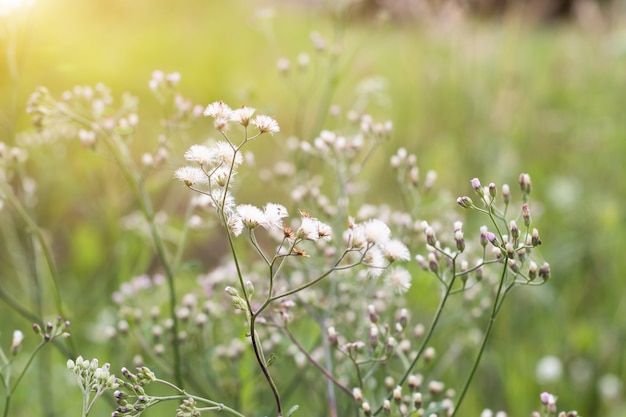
251 216
18 336
376 231
191 176
242 115
234 224
224 153
395 250
266 124
308 229
200 154
399 279
275 213
218 109
375 260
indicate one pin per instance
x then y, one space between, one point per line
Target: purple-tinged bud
546 398
493 191
430 236
526 215
513 265
483 236
514 230
465 202
422 262
491 237
433 264
36 328
532 270
506 193
403 317
477 187
544 271
510 250
371 311
460 241
415 382
524 183
535 239
373 336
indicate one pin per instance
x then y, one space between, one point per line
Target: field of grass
470 99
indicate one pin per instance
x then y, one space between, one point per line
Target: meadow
90 227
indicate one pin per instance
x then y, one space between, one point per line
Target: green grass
484 100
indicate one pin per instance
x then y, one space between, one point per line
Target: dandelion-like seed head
242 115
399 279
266 124
251 216
191 176
218 109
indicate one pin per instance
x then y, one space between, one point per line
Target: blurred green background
486 98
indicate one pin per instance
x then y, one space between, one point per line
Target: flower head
266 124
399 279
242 115
191 176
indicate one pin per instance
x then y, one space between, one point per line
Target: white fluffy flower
375 260
191 176
224 153
274 214
376 231
395 250
218 109
266 124
251 216
200 154
242 115
399 279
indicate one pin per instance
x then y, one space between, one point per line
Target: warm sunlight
9 6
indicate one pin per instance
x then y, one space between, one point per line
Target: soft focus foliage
465 99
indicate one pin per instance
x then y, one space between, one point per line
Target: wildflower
394 250
274 214
375 260
399 279
524 183
200 154
191 176
465 202
225 154
477 187
430 236
242 115
18 336
376 231
218 110
251 216
266 124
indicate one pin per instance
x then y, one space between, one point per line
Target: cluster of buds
131 398
51 330
406 166
92 378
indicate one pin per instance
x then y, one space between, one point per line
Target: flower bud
492 190
477 187
506 193
465 202
526 215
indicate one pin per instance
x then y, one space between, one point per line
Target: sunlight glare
9 6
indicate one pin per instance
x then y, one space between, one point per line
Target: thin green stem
429 334
483 344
